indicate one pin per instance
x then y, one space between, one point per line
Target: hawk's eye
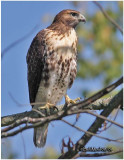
74 14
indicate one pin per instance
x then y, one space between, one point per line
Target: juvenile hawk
51 62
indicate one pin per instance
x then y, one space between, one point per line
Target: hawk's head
69 17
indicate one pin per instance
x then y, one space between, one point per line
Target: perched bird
51 63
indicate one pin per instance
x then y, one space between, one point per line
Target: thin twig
108 17
103 117
113 119
18 41
90 133
96 154
24 105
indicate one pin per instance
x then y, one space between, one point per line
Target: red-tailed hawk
52 61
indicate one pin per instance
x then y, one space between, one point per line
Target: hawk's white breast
64 59
61 40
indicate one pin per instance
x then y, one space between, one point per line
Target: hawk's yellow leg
47 106
68 100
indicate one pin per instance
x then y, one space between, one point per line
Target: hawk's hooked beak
82 18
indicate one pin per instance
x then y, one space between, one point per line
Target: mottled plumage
52 61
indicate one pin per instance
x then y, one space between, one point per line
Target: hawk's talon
68 100
47 107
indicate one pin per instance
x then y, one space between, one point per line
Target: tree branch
7 120
73 151
10 119
55 114
90 133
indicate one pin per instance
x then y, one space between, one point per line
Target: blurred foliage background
103 44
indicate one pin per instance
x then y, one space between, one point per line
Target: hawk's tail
40 134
